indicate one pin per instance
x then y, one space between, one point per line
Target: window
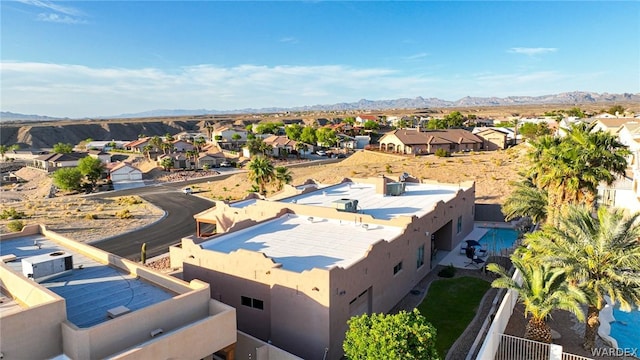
420 257
397 268
459 228
250 302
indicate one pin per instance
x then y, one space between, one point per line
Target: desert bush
91 216
12 214
124 214
129 200
388 168
448 272
442 153
15 225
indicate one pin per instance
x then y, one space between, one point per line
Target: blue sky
100 58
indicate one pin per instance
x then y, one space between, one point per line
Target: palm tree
192 154
526 200
543 289
156 142
166 147
261 172
301 148
571 168
147 150
601 254
282 176
199 143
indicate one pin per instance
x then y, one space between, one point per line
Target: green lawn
450 305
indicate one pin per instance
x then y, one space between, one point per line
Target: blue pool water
626 328
498 239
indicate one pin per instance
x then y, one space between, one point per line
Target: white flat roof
302 242
418 199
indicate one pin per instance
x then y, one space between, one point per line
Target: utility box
346 205
46 266
395 188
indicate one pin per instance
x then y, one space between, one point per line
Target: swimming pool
625 328
497 240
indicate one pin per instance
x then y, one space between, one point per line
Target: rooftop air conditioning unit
347 205
395 188
46 266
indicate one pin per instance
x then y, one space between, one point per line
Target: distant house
182 145
211 160
361 119
281 145
124 172
52 162
412 141
137 145
495 138
101 155
189 136
180 160
223 136
611 125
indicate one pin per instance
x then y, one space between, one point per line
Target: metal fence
512 347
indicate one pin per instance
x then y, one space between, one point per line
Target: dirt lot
492 172
88 219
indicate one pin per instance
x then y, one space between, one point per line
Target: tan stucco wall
33 333
249 347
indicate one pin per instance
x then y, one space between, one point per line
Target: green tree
576 112
349 120
434 124
91 168
601 255
192 158
199 143
166 163
68 178
616 110
62 148
526 200
454 120
543 289
326 137
156 142
236 137
308 135
293 131
168 137
532 131
166 147
267 128
301 148
261 172
6 148
282 176
371 125
406 335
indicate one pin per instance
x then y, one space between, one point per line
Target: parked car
341 156
321 153
187 190
225 164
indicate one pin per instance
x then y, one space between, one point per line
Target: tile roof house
137 145
412 141
281 144
52 162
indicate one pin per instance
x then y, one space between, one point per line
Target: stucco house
413 141
124 172
137 145
63 299
224 136
53 162
182 145
104 157
495 138
298 268
281 145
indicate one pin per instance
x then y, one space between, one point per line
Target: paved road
177 223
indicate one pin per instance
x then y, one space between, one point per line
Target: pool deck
458 259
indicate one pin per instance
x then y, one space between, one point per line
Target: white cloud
79 91
64 19
416 56
290 40
531 51
57 13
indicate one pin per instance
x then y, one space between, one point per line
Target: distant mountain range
569 98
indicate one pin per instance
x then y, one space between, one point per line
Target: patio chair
473 258
480 250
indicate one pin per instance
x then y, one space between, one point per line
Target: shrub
15 225
447 272
388 169
129 200
91 216
12 214
442 153
124 214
